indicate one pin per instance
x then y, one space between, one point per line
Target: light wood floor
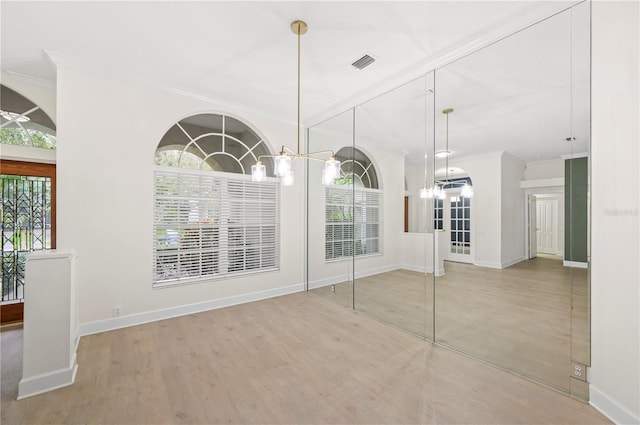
517 318
293 359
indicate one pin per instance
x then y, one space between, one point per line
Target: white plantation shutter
353 222
209 224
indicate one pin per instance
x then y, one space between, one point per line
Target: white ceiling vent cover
363 62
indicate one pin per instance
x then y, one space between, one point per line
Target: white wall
486 220
615 273
107 134
415 181
547 169
512 217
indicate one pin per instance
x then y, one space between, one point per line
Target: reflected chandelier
438 189
282 161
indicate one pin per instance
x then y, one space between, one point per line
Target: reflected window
438 214
24 123
210 219
460 225
353 208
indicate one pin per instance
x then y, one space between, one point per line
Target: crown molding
575 155
31 80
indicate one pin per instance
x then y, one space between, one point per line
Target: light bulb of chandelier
287 179
327 178
282 165
442 194
258 172
466 191
331 169
426 193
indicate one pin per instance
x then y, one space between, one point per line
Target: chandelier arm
300 155
267 156
307 156
323 152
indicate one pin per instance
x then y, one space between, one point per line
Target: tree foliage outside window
177 158
35 138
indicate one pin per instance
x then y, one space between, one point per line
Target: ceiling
244 53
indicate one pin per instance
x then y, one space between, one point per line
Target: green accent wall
576 172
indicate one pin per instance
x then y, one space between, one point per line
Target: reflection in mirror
515 132
395 284
579 236
330 240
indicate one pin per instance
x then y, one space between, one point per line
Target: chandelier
282 161
438 190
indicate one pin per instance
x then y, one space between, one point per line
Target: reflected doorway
545 223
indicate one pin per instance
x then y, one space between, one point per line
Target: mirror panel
507 299
581 118
330 241
393 284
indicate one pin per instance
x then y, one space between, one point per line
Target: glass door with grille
26 220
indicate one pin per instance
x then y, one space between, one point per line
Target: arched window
353 208
210 219
24 123
356 167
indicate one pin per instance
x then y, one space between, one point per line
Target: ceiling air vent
363 62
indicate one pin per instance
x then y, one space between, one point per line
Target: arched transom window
24 123
356 167
212 142
210 219
353 208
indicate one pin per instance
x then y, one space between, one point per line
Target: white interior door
547 224
533 227
457 226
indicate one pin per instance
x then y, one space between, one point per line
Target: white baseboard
512 262
182 310
611 408
370 272
345 277
577 264
488 264
328 281
376 270
495 265
49 381
414 268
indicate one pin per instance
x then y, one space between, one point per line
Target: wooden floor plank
518 318
292 359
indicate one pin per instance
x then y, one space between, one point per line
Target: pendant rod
298 128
